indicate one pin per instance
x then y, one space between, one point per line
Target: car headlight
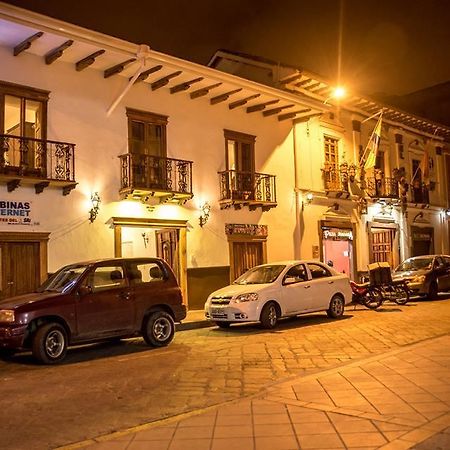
6 315
418 279
241 298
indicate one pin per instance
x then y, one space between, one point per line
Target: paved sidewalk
397 400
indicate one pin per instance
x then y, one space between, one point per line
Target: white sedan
270 291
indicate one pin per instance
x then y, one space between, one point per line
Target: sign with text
15 213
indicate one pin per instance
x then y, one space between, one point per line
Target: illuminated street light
338 93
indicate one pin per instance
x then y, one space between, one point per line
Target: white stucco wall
77 114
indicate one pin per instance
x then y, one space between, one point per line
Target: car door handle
330 282
307 287
124 296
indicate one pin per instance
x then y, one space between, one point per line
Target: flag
425 168
372 146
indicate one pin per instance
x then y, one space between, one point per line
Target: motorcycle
372 296
367 295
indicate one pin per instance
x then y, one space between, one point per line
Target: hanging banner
15 213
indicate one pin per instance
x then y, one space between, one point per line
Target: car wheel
159 329
269 316
433 291
223 324
50 343
336 308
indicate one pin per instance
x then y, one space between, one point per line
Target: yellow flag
372 146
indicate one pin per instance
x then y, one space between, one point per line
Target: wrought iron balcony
382 188
255 190
336 179
420 193
38 162
145 176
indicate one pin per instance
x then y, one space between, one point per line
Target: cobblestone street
108 388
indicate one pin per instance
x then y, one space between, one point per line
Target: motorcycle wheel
373 298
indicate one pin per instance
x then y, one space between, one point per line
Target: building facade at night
108 149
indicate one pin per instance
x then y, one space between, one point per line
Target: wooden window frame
148 118
330 142
240 138
24 93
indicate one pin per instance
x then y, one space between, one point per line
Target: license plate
217 310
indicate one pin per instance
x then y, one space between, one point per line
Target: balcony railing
420 193
247 188
146 175
382 188
335 178
36 161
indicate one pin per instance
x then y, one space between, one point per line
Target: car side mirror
85 290
290 280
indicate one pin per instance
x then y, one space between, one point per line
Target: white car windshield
63 280
414 264
260 275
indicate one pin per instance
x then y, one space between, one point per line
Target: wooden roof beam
243 101
184 86
117 68
57 52
290 78
222 97
303 82
292 114
144 75
165 80
271 112
322 90
204 90
86 62
261 106
312 86
26 44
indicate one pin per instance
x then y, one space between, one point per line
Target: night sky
388 46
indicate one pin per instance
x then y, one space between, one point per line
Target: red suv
92 301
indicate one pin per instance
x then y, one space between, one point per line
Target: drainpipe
298 230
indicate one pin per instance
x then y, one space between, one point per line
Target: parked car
268 292
426 275
92 301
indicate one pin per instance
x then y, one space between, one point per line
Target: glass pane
11 123
154 144
246 157
137 137
231 150
33 119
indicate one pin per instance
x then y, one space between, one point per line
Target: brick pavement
396 400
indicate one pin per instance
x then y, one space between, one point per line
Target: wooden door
20 268
382 245
167 248
245 256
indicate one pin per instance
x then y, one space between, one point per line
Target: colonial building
108 148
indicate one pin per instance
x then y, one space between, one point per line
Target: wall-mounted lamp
308 199
95 201
205 209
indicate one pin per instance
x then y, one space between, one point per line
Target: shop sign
15 213
246 229
338 235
